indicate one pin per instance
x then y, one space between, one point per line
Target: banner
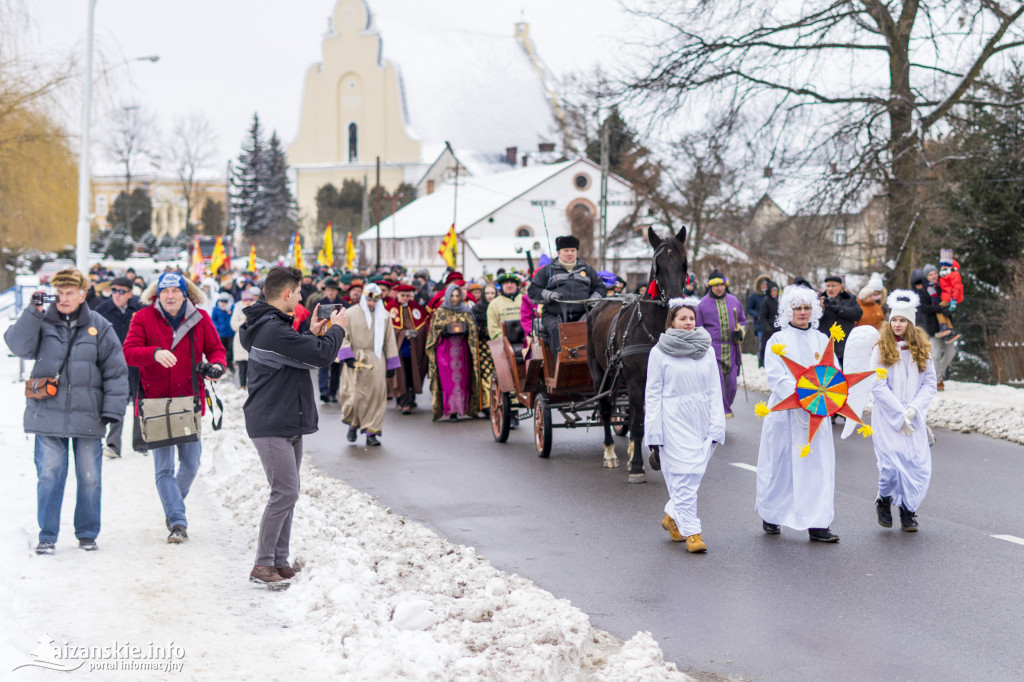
326 255
219 258
350 253
299 263
449 247
252 258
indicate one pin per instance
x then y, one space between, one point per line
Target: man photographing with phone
281 406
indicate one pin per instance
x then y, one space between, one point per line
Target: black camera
42 298
209 370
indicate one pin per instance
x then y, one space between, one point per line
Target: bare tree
131 141
853 88
190 151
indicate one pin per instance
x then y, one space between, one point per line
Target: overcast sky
229 58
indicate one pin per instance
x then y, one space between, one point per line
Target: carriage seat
513 330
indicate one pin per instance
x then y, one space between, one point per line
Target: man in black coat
839 307
118 310
281 406
561 286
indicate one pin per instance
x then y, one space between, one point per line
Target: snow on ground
994 411
378 597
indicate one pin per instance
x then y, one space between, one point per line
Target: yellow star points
865 431
882 373
779 348
805 450
836 332
761 409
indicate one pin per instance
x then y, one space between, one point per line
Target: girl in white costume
899 416
794 490
684 416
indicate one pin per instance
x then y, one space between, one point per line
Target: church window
353 143
581 181
524 231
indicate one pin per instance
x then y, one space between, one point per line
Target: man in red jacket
166 341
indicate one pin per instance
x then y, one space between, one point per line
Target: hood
917 277
195 294
256 315
757 282
771 283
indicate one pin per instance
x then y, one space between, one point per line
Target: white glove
906 429
911 413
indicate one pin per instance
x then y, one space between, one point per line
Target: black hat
331 283
567 242
122 282
834 278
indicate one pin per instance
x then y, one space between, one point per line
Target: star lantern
821 390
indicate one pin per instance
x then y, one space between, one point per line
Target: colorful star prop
821 391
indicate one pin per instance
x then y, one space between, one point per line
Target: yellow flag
252 258
326 255
449 247
196 267
350 253
219 257
299 263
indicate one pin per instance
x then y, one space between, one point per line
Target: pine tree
247 180
276 196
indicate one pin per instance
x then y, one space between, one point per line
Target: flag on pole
196 267
449 247
219 257
350 253
252 258
289 258
326 255
299 263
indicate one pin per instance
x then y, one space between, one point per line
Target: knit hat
171 280
717 277
69 278
946 257
903 303
929 268
874 285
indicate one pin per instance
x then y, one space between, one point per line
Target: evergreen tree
212 217
150 242
247 182
119 244
140 208
279 205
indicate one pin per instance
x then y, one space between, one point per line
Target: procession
656 341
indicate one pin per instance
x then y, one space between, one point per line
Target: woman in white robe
795 491
684 416
899 417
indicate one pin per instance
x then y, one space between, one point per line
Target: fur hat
70 278
794 295
903 303
566 242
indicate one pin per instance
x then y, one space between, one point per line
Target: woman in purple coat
721 314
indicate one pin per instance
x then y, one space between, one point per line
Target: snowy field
994 411
378 596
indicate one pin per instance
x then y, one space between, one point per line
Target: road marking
743 465
1010 538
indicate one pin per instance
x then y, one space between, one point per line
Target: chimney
546 147
510 155
525 157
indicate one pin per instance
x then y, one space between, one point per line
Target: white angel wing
857 358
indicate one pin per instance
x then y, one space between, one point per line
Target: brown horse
620 335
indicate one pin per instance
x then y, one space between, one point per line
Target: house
165 194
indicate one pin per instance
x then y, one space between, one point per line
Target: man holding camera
79 385
281 406
175 345
840 307
721 314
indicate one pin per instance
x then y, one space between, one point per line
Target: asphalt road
946 603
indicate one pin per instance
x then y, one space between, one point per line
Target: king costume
722 316
410 325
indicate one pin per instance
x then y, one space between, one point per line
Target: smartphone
326 310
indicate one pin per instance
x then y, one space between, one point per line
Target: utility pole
82 228
603 225
378 214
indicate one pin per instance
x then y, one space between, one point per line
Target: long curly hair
917 342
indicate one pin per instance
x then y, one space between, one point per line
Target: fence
1007 357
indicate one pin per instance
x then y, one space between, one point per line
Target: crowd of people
107 340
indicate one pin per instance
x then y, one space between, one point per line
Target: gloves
555 296
952 306
907 429
596 296
390 373
737 335
911 413
350 363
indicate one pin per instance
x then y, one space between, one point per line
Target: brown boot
669 524
265 575
694 543
286 571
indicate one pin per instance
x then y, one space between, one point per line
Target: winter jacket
754 303
222 321
578 284
929 304
150 331
844 310
479 311
281 402
502 308
872 314
94 383
119 320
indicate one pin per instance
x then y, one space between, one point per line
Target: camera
209 370
42 298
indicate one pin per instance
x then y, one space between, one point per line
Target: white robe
684 414
794 491
904 462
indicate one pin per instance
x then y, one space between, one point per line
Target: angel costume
371 344
792 490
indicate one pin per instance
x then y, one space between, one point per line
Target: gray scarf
684 344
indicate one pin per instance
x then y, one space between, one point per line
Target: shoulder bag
171 421
42 388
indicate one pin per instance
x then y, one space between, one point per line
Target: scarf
681 343
448 305
567 266
380 318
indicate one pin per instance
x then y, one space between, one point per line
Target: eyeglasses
118 291
802 308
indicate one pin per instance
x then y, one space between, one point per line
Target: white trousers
682 499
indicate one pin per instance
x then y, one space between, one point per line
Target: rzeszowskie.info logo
125 656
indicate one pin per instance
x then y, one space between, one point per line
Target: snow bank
390 599
994 411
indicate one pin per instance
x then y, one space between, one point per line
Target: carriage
545 383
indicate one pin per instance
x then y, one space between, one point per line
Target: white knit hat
903 303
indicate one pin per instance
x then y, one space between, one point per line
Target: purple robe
727 351
455 369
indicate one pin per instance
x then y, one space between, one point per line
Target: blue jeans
329 379
174 489
52 472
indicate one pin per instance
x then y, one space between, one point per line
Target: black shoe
334 398
513 422
46 548
453 418
822 535
655 460
908 520
352 433
178 535
770 528
324 398
883 507
87 544
372 440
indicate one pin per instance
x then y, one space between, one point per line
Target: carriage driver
560 284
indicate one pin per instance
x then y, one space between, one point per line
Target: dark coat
754 301
120 321
94 383
844 310
926 318
767 316
281 402
579 284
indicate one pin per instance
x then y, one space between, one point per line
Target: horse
620 335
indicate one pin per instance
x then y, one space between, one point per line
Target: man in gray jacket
81 349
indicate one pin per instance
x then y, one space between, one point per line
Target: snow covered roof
497 248
476 90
